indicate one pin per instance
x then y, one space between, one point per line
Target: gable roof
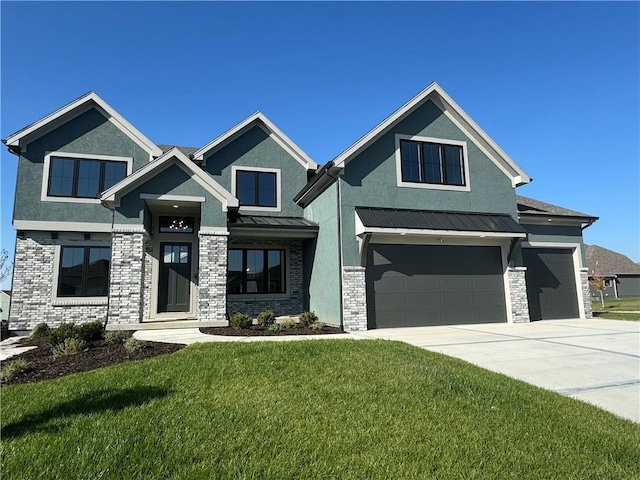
607 262
188 151
75 108
109 197
245 125
457 115
530 206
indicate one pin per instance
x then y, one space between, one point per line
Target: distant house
622 275
5 299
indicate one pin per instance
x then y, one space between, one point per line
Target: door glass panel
184 254
167 254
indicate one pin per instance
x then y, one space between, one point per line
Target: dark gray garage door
414 285
551 283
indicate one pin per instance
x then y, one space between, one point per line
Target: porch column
127 276
518 294
354 298
212 275
586 292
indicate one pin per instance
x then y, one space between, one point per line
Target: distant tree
597 282
5 265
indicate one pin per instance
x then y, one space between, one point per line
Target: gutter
324 171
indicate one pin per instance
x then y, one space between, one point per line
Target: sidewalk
9 348
187 336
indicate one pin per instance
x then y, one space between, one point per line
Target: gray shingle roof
438 220
607 262
186 150
255 221
531 206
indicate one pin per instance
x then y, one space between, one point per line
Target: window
255 271
432 163
84 271
83 178
256 188
176 225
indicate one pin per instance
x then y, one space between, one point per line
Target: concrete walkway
187 336
597 361
9 348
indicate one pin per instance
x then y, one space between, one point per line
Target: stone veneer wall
586 293
148 271
126 295
354 298
212 276
518 294
33 286
291 304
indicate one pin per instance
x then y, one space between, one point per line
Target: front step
167 324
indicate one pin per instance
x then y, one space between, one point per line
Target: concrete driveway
597 361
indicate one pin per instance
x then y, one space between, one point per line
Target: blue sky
556 85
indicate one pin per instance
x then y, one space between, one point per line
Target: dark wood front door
174 283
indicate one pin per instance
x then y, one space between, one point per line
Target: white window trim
264 296
237 168
44 197
432 186
57 301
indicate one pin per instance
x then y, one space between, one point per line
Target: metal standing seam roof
438 220
255 221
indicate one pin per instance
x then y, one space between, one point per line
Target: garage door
551 283
416 285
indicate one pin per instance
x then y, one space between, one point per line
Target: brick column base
518 294
126 288
212 276
354 298
586 292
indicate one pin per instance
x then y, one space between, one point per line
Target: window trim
58 301
432 186
262 296
234 174
46 172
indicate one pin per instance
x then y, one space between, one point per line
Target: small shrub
307 318
92 331
68 346
266 318
116 337
289 323
317 325
240 320
132 344
13 368
64 332
41 330
277 327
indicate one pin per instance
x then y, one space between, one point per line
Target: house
621 275
416 223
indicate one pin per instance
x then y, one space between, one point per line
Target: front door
174 283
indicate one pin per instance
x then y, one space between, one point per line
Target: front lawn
313 409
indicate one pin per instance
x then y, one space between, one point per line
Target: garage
551 283
423 285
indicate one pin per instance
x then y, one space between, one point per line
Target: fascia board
126 127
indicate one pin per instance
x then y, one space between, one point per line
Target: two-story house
416 223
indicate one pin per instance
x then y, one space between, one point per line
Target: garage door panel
413 285
551 283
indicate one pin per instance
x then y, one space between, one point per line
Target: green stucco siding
370 179
556 234
255 148
173 180
322 260
88 133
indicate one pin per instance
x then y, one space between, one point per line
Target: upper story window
70 177
432 163
256 188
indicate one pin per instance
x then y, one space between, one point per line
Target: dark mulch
42 366
257 331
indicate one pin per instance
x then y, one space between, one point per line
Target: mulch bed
42 366
257 331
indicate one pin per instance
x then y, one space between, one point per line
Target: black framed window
256 271
83 178
256 189
176 225
84 271
426 162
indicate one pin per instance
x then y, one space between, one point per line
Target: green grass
612 307
314 409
